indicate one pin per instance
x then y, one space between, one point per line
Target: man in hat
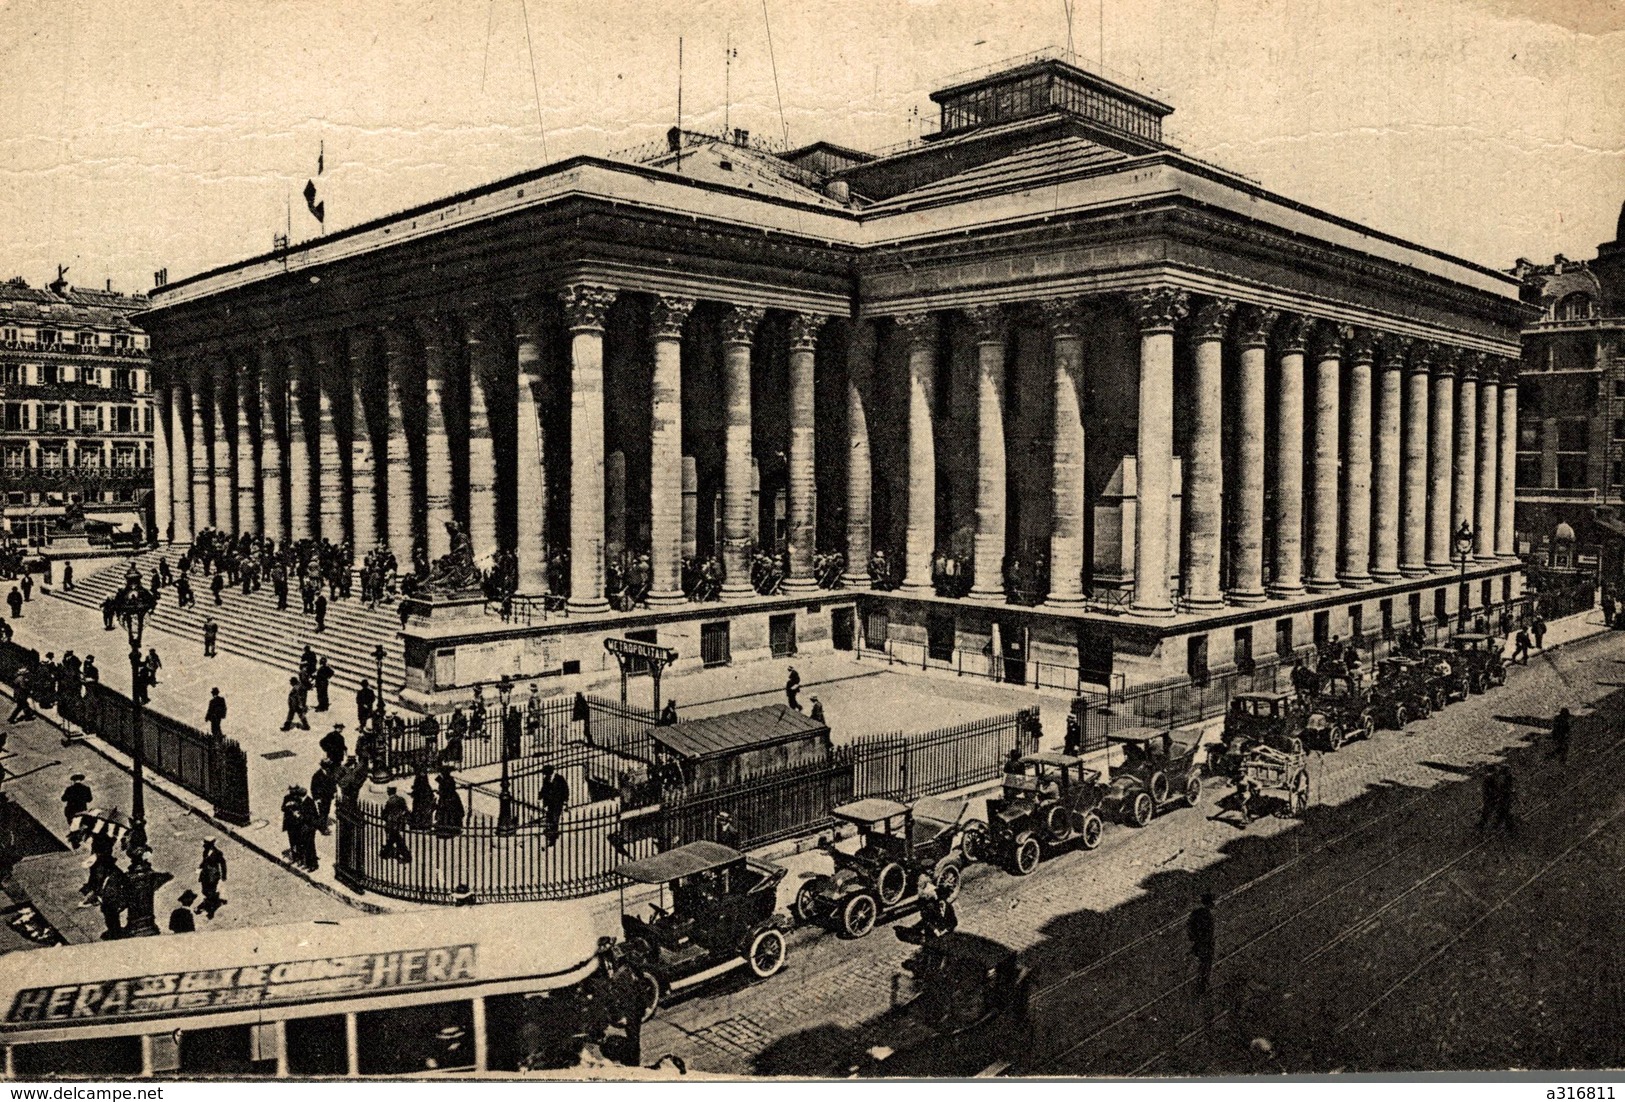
88 673
395 813
180 919
333 745
323 787
816 712
211 872
555 795
296 706
211 634
365 701
292 822
727 832
75 802
322 677
216 714
792 687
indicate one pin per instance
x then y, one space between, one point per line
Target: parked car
1481 654
1400 691
1048 800
1155 773
898 845
963 1011
1446 686
1252 719
1339 714
722 915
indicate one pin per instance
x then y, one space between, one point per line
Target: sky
146 134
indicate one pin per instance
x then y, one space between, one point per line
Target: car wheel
1140 809
765 953
1026 856
1368 725
1425 708
806 905
1057 824
1400 717
947 878
1334 737
1193 790
859 914
1090 829
1159 787
891 883
651 993
973 843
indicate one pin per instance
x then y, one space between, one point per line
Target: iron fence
902 767
215 769
781 805
481 739
1028 672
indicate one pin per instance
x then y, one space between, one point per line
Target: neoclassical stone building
1149 418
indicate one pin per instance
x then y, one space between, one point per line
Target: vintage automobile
1048 801
1254 718
1456 685
723 915
1155 772
961 1011
1481 654
1339 714
1400 691
898 845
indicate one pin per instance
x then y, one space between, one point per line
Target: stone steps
252 627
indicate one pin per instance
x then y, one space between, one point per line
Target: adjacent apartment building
75 411
1571 412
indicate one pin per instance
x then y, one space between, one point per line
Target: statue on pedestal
454 573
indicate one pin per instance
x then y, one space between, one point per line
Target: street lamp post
1464 547
378 711
506 820
132 605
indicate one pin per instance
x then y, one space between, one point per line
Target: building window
1244 650
90 457
52 419
1357 622
13 374
1617 474
53 459
1576 305
1619 388
1573 435
50 374
1386 607
1323 628
1529 434
1619 428
1441 606
1196 659
16 459
1528 468
1571 472
1283 638
47 337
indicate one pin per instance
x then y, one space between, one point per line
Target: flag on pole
318 209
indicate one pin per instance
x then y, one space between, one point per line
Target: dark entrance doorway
841 625
1013 643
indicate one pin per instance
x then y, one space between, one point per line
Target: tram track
1349 931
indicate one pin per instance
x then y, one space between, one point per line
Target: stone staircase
251 626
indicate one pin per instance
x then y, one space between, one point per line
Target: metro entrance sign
637 656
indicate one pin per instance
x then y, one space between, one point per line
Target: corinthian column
1158 310
1361 353
1204 467
1293 333
803 481
484 362
332 495
201 464
920 333
1323 461
1413 527
1465 470
586 308
738 331
247 467
530 475
1385 504
439 352
1064 317
364 526
301 498
666 321
163 516
225 500
860 364
1487 483
1441 454
273 432
1506 544
988 322
400 341
1253 329
180 480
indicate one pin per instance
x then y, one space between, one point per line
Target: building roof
871 810
718 736
674 864
65 305
1029 166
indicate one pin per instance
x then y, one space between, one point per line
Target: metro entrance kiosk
635 656
426 992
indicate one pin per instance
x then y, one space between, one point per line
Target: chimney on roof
109 284
674 139
839 190
741 137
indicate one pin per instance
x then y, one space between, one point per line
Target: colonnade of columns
1381 446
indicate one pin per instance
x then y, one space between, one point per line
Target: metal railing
560 722
903 767
1029 672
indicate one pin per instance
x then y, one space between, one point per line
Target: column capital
1442 360
436 330
739 324
1292 332
919 330
1469 365
989 320
483 321
1327 340
1511 367
1063 316
668 315
1393 350
586 305
804 330
399 335
526 313
1253 325
1159 308
1361 344
1212 320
